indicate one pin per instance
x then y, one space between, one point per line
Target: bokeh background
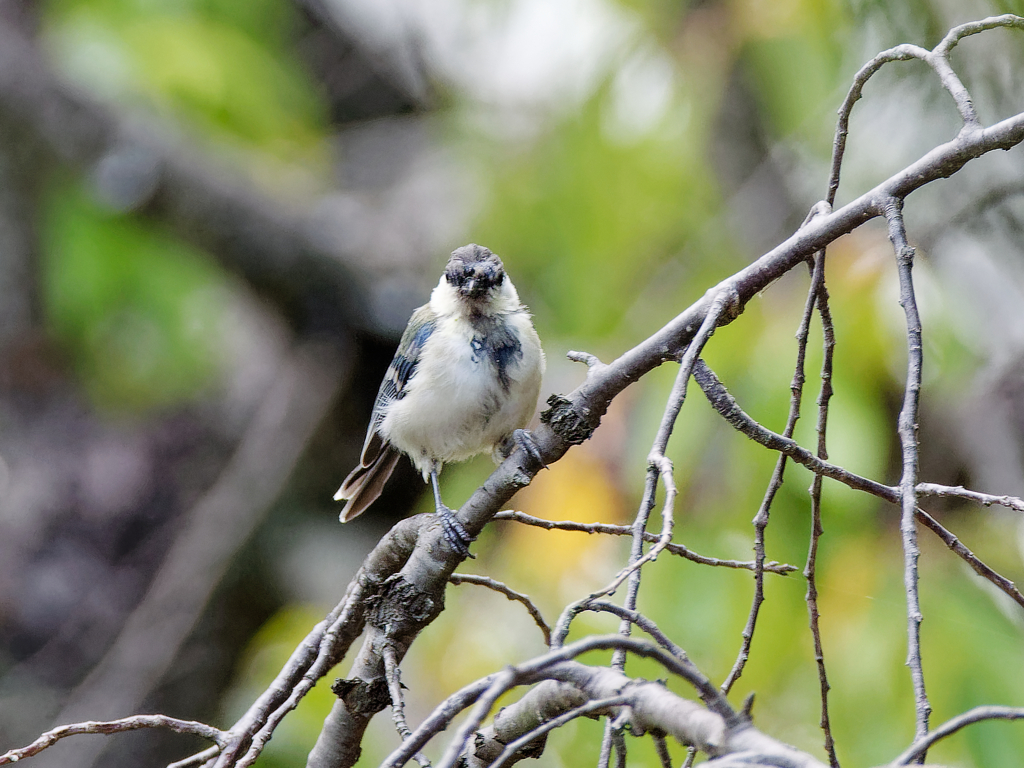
215 218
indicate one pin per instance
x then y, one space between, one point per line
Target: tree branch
817 529
907 429
511 594
627 530
133 723
920 747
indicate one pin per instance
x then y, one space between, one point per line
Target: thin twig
817 530
511 594
969 557
199 758
959 492
394 678
626 530
760 521
626 614
899 53
958 33
619 739
920 747
658 463
729 409
907 429
658 467
727 406
134 723
323 647
937 58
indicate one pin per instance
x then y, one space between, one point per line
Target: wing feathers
365 482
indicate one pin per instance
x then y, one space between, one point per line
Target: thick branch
572 418
645 707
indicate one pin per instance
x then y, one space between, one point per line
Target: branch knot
399 604
573 423
363 697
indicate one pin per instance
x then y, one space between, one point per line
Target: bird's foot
454 532
525 441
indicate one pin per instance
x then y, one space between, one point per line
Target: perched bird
465 380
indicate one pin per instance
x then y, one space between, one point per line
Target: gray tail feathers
365 482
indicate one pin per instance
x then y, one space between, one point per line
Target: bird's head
474 273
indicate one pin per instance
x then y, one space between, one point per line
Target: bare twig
726 405
394 678
134 723
658 466
513 676
626 614
761 518
958 33
649 707
626 530
899 53
511 594
326 643
591 361
959 492
199 758
920 747
730 410
970 558
907 430
604 758
817 530
618 737
938 59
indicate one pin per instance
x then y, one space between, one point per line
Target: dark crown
473 270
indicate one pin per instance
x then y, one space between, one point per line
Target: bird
465 380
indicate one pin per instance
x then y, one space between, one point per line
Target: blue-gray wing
365 483
403 366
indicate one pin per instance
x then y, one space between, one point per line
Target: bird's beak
470 288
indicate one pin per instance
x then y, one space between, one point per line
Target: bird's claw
525 441
454 532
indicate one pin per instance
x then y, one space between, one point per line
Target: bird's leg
525 441
454 531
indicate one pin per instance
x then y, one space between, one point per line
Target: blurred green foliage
136 309
226 71
608 238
